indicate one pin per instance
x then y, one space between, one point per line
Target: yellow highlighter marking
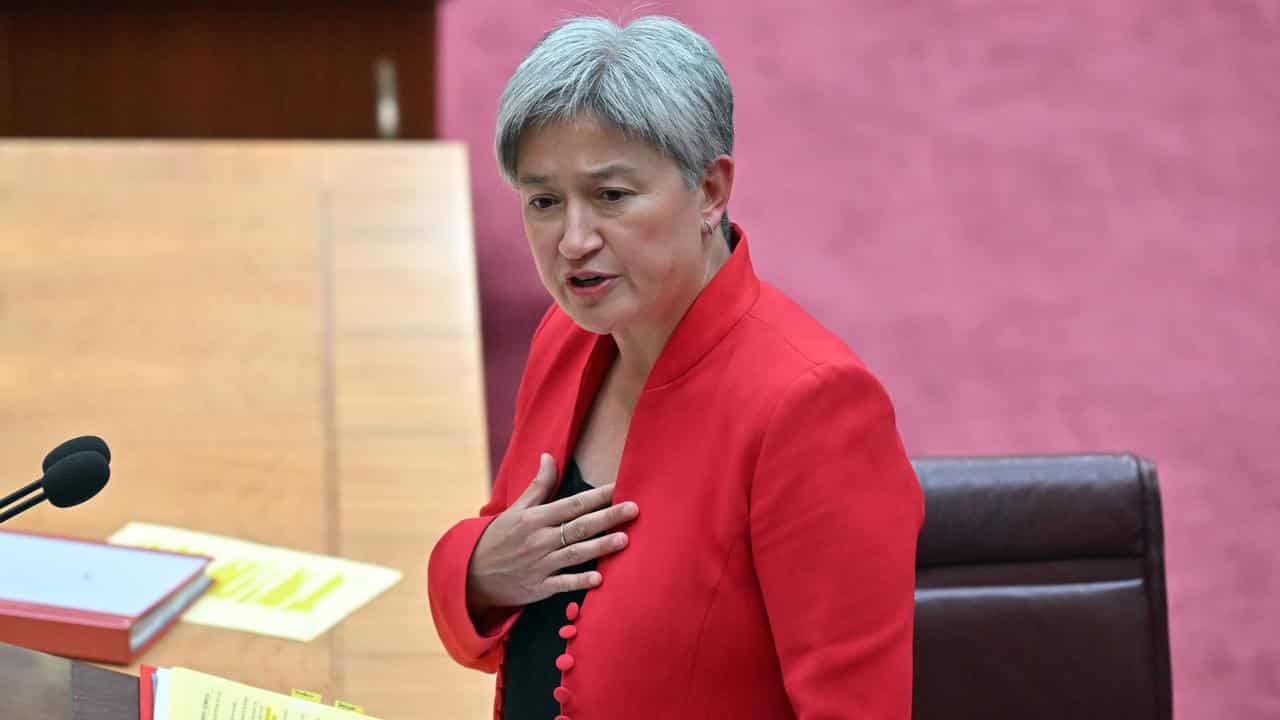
232 577
277 595
308 603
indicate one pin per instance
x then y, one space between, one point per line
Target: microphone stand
22 507
14 496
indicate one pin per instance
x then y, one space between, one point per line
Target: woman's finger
568 583
540 487
581 552
600 521
566 509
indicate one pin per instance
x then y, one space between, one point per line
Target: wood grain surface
280 342
213 69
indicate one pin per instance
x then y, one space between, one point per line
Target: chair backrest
1040 590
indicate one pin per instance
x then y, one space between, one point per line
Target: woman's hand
515 561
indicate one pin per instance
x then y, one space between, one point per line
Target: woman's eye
612 196
541 203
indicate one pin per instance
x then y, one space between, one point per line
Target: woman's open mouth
590 284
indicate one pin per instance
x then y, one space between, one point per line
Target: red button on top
565 662
568 632
562 694
571 611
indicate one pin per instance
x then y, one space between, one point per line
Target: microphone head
75 445
75 478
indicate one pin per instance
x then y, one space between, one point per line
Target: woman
733 535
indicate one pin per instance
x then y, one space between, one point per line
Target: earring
706 227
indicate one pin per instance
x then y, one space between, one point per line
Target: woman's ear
717 185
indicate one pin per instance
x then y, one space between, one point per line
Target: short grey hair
654 79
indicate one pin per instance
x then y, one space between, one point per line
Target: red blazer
771 571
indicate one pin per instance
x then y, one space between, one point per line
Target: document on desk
265 589
182 694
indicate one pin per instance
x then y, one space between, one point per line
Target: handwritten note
265 589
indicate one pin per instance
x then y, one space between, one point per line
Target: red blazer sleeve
450 559
835 511
447 592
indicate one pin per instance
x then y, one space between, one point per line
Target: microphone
84 442
69 481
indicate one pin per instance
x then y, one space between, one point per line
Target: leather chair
1040 590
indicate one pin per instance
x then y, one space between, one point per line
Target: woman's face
615 233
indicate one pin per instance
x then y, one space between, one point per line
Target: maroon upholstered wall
1047 226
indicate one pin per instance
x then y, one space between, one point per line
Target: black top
529 671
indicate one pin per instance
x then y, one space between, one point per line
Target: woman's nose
581 236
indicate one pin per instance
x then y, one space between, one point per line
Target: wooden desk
280 342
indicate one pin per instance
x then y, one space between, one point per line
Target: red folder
79 632
146 693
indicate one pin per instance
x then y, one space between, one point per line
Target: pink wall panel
1048 227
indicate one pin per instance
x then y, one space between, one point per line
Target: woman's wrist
488 618
485 614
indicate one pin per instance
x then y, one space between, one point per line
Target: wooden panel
183 301
410 456
39 686
6 85
36 685
275 70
